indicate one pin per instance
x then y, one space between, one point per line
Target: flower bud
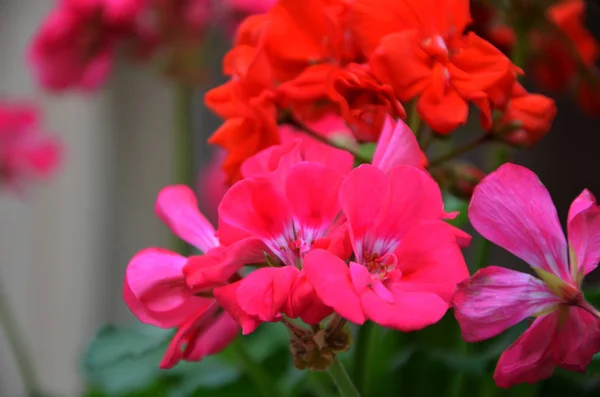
459 179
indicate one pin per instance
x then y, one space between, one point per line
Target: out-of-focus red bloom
26 150
423 55
566 331
526 119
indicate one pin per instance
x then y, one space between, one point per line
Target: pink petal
155 289
256 207
497 298
218 265
529 358
226 296
177 207
577 340
312 191
264 292
430 259
330 276
361 278
409 311
397 146
583 202
512 208
337 241
216 337
187 332
584 235
304 303
361 209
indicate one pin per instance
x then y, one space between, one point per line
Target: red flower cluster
76 45
361 59
26 151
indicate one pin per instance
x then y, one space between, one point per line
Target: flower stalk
342 379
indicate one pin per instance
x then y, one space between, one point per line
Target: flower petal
409 310
430 259
497 298
584 235
226 296
312 191
397 146
213 339
529 358
177 207
330 276
256 207
304 303
512 208
264 292
577 340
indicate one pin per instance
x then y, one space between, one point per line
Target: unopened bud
459 179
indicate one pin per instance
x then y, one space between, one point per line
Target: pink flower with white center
406 260
156 289
290 218
26 151
512 208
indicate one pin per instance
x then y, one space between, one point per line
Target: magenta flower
157 292
406 260
26 151
511 208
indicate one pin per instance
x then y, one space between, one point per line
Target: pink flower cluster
26 150
303 235
77 43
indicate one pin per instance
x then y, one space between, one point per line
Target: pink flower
250 6
397 145
212 185
511 208
157 292
290 215
407 262
75 45
26 151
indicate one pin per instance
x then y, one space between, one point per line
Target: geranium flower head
511 208
407 262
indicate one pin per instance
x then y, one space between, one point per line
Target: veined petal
264 292
177 207
397 146
529 359
577 340
512 208
584 235
330 276
255 206
312 191
496 298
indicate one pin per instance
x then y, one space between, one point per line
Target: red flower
423 54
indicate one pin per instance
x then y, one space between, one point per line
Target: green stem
184 147
255 371
8 323
342 380
459 151
414 121
371 352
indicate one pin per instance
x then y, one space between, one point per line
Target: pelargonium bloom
425 56
511 208
157 292
406 260
26 151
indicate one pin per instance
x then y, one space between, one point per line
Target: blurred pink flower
250 6
26 151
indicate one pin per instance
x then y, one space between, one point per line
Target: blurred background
65 244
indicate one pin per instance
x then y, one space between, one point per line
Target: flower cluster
312 229
77 44
26 151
